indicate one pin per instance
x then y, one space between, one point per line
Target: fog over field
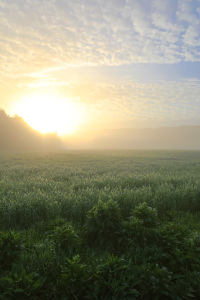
16 134
181 137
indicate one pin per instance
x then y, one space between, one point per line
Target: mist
174 138
16 134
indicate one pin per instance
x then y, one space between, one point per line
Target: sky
107 64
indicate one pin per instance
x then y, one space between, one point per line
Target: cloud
38 35
138 103
51 44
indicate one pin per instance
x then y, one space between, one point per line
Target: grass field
100 225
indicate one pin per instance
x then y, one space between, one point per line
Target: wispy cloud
58 43
38 35
139 104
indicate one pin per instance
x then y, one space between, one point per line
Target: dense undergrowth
100 225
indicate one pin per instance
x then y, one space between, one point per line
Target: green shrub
139 236
174 243
172 235
193 280
104 224
139 229
42 259
113 280
73 280
20 286
146 214
51 225
65 238
158 283
11 244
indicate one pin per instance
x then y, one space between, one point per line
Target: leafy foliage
65 238
103 224
73 279
113 280
11 244
159 283
110 225
20 286
146 214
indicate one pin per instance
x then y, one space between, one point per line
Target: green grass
50 200
39 187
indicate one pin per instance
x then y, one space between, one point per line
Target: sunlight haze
48 113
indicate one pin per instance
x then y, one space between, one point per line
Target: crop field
108 225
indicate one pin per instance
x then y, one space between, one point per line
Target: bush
146 214
140 228
113 280
51 225
172 235
20 286
66 239
73 280
139 236
104 224
158 283
11 244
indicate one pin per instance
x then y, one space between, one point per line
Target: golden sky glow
50 113
72 65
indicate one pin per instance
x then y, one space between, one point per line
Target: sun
49 113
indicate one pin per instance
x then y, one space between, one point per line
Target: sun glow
49 113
